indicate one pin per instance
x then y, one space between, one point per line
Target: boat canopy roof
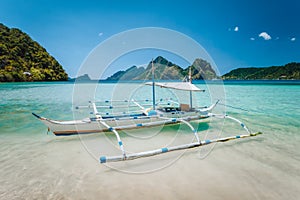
187 86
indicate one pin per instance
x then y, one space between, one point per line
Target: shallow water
34 165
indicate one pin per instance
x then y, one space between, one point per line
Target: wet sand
62 169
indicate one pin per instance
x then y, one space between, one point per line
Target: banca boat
153 113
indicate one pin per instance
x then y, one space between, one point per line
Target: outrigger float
160 112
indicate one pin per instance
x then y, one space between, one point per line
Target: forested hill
22 59
290 71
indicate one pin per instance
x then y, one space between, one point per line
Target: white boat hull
93 125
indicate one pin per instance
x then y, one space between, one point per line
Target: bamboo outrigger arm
132 156
98 116
232 118
105 159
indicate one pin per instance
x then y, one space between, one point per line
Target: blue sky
235 33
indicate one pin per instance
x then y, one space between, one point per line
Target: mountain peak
166 70
161 60
201 69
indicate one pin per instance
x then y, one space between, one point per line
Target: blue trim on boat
120 116
164 150
103 159
207 141
152 113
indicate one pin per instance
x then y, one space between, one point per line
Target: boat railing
139 100
119 104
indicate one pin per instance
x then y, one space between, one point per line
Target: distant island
290 71
22 59
166 70
202 70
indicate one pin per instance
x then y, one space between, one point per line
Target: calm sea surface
37 165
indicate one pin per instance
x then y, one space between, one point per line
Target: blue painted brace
103 159
152 113
207 141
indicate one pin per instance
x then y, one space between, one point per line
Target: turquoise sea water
40 166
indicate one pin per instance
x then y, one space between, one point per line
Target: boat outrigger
158 112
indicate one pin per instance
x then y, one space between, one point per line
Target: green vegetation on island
290 71
22 59
202 70
166 70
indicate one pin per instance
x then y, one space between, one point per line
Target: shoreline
219 81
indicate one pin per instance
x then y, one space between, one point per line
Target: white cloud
293 39
252 39
100 34
236 29
265 35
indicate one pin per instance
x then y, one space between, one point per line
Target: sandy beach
53 169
